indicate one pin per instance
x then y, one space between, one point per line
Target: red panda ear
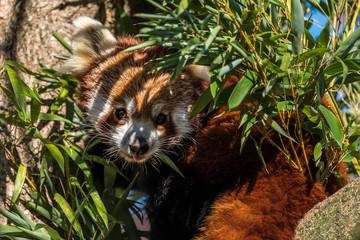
91 39
202 72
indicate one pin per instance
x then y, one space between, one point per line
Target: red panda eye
161 119
121 114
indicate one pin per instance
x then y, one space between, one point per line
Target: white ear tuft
199 71
91 39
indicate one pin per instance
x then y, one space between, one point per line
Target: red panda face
133 108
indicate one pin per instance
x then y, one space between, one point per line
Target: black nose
139 147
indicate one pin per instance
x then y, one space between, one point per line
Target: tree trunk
26 28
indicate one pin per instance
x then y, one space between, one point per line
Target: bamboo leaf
201 103
69 213
18 88
19 181
348 44
345 70
20 212
317 153
317 52
59 100
53 117
53 234
164 158
62 41
9 230
99 205
78 160
57 155
208 42
229 67
276 126
35 107
106 163
45 209
143 45
297 25
324 37
15 219
333 124
241 90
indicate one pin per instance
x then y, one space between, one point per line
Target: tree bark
26 28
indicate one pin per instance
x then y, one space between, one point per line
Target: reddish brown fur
263 204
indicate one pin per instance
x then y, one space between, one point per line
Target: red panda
223 195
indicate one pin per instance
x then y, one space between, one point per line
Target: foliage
282 68
63 191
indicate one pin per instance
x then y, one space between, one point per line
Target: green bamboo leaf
106 163
155 16
208 42
53 117
121 211
18 88
204 24
320 5
229 67
9 231
160 7
19 85
311 113
62 41
317 52
59 100
241 90
52 232
297 25
276 126
182 62
164 158
247 124
348 44
21 68
78 160
324 37
348 158
259 152
345 70
310 39
201 103
11 96
36 234
19 181
20 212
69 213
320 86
99 205
333 124
15 219
317 153
272 67
35 107
336 68
57 155
285 63
144 44
46 210
221 58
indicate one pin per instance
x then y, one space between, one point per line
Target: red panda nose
139 147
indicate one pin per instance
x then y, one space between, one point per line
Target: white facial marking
98 107
180 117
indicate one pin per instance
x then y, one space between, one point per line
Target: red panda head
124 100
